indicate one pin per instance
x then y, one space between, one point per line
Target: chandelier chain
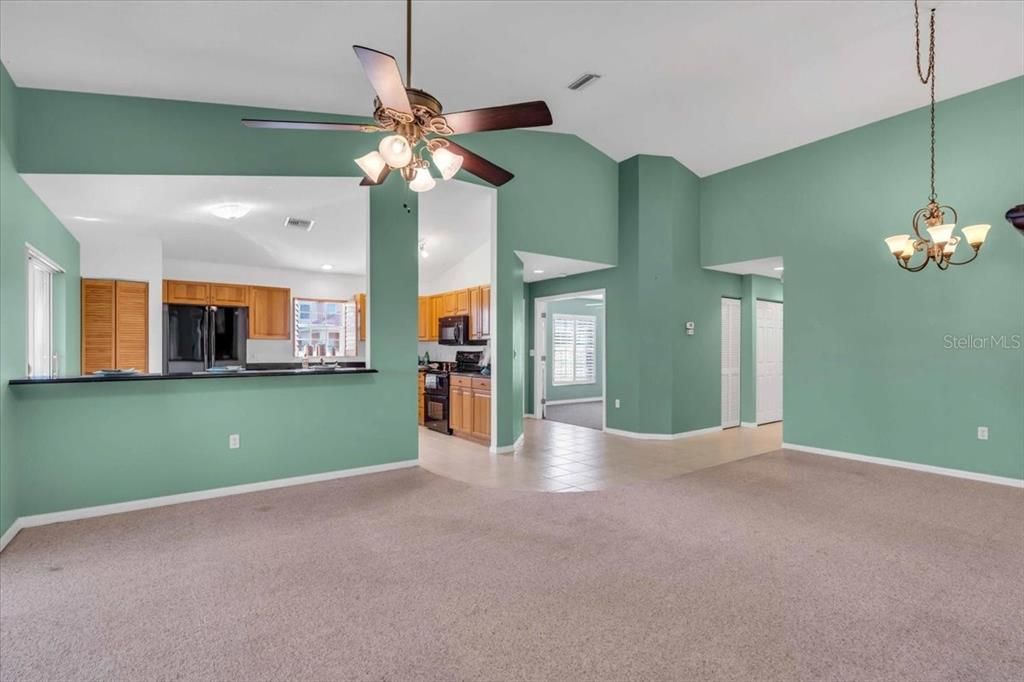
927 79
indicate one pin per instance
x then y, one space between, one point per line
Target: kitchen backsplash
442 353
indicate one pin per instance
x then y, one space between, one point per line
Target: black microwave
453 331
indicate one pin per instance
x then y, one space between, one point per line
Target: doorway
769 362
569 358
730 362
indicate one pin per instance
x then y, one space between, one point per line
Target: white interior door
730 362
769 362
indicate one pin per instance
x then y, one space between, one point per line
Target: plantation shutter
574 352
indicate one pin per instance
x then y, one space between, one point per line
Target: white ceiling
539 266
765 267
714 84
454 217
455 220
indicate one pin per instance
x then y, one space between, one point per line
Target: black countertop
248 373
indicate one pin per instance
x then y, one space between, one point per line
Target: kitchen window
324 328
574 349
39 346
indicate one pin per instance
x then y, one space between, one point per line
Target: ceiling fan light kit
418 127
940 245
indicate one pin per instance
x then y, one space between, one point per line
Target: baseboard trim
748 425
181 498
662 436
574 400
508 448
529 415
913 466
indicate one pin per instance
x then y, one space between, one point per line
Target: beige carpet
777 567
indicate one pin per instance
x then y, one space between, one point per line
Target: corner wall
873 356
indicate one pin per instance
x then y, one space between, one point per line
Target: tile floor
560 457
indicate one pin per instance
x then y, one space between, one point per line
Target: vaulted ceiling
713 84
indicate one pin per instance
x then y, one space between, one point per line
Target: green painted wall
575 306
564 196
754 288
139 440
24 219
869 367
666 382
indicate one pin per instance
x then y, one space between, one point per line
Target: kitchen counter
248 373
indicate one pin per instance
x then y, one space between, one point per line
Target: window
325 328
574 341
40 359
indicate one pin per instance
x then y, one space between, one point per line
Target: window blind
574 352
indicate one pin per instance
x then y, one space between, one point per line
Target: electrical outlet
233 441
617 404
982 433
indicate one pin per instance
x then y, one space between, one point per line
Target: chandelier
940 245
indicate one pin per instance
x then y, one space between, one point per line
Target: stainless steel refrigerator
198 337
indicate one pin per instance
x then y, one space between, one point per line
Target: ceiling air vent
583 81
299 224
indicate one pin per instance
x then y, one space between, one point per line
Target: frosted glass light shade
975 234
396 151
372 165
896 243
950 247
447 162
908 248
940 234
422 182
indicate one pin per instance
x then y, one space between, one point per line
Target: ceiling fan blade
479 166
305 125
367 182
522 115
382 71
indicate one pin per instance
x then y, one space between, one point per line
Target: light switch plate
982 433
234 442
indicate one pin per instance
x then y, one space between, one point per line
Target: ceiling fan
418 125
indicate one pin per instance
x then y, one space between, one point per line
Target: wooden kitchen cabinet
436 303
449 304
361 315
236 295
270 313
462 302
480 312
421 401
115 325
424 317
481 427
187 293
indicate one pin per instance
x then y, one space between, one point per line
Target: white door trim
731 361
540 304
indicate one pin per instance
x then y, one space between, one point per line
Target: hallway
557 457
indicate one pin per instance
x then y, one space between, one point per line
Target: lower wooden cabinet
470 407
270 313
421 401
115 325
361 315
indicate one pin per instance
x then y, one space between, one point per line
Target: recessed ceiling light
86 218
230 211
326 266
779 269
538 272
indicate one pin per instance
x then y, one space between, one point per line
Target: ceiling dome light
396 151
373 166
538 272
422 182
326 266
230 211
447 162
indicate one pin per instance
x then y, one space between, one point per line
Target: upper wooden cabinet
115 325
205 293
436 305
425 313
270 313
236 295
462 302
188 293
449 304
361 315
479 312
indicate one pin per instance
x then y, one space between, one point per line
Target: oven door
435 412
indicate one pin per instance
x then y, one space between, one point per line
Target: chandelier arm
965 262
